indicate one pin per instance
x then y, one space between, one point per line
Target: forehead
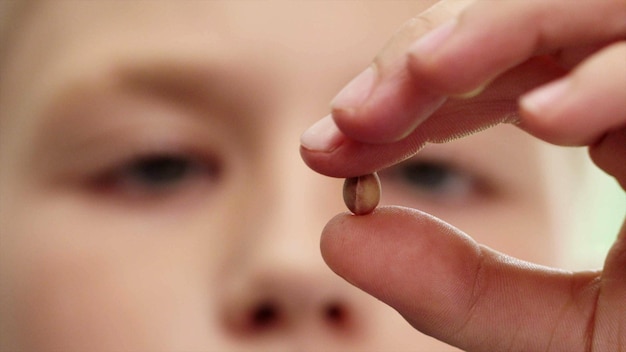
317 41
309 28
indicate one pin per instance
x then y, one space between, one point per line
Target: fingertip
399 255
426 46
434 62
584 105
396 107
541 113
355 93
544 100
323 136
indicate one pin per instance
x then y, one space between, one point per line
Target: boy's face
151 192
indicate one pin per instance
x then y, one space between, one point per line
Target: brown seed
362 194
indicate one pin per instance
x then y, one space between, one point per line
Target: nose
278 283
288 300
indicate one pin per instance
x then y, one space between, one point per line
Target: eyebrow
165 78
201 85
212 91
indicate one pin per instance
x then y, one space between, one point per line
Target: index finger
372 116
456 118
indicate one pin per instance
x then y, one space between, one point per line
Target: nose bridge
302 201
297 217
292 205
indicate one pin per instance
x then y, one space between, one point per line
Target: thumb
449 287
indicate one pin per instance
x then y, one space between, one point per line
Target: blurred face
152 195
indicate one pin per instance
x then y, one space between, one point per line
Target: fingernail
323 136
542 99
433 39
356 92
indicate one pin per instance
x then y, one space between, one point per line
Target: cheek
74 284
522 229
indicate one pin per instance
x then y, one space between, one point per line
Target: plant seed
362 194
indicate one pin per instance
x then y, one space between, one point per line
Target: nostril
264 315
335 314
254 318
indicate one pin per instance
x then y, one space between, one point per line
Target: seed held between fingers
362 194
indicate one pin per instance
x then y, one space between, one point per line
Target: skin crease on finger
152 197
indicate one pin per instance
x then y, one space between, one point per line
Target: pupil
426 174
161 170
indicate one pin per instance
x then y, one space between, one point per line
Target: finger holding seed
362 194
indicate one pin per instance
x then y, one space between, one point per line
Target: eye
158 174
432 179
159 171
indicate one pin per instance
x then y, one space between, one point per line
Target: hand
556 68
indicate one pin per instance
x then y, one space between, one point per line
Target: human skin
99 254
485 300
